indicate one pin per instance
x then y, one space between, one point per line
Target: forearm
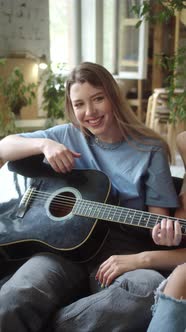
162 259
15 147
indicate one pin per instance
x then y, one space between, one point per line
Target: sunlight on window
61 46
108 34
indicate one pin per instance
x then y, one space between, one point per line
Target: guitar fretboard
119 214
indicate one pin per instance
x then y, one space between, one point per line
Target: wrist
145 260
43 143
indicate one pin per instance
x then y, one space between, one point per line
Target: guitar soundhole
62 204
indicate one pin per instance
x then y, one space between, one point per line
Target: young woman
170 301
113 291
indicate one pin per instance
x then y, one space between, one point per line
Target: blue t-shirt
139 172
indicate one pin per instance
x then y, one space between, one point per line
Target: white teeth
96 121
92 121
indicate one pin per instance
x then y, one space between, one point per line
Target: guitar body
34 222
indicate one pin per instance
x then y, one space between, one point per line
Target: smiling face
93 111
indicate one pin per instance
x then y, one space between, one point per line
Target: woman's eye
98 99
78 105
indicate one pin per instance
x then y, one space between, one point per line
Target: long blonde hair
129 125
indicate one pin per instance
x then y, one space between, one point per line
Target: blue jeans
169 314
50 293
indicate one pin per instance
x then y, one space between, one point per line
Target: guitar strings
62 198
118 212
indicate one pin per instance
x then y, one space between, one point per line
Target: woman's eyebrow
101 92
92 96
76 100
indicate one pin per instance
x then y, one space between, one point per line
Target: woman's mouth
95 122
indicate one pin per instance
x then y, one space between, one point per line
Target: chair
157 118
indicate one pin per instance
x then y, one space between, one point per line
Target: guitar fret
96 210
138 219
87 210
144 219
112 213
106 214
159 218
78 207
119 215
123 217
147 220
102 212
132 221
152 222
129 215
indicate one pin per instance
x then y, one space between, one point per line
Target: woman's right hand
59 156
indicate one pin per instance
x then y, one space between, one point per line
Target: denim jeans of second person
169 314
122 307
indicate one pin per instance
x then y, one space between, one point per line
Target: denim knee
36 290
113 308
140 282
168 314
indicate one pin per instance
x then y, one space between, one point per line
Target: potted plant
16 92
53 93
7 121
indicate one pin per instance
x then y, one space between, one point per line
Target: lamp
43 62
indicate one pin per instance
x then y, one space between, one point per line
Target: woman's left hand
114 266
167 233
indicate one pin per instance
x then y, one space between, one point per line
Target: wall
24 27
24 37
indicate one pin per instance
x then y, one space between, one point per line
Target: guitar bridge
25 202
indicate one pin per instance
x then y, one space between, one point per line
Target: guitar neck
120 215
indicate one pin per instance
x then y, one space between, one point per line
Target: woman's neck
110 139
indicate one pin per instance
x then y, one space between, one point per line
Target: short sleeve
160 190
56 133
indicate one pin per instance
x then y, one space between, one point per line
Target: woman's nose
90 109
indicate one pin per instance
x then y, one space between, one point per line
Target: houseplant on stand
15 93
53 94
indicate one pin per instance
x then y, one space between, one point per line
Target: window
109 35
61 31
132 43
101 31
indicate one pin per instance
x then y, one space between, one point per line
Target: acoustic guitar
44 210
